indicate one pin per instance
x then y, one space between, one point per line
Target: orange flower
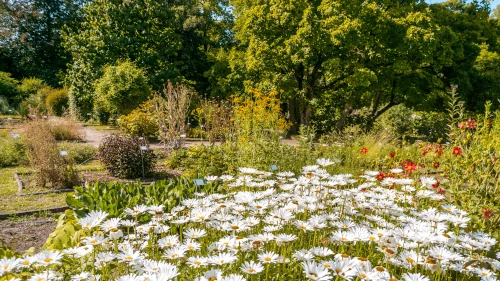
436 165
457 151
392 154
364 150
410 167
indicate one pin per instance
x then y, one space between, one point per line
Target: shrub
11 150
259 117
432 125
65 129
398 121
140 122
31 86
216 118
123 157
36 102
121 89
57 101
4 106
78 152
8 86
50 167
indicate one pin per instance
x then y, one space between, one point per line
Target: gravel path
94 137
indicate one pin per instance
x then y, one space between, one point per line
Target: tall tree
168 39
30 36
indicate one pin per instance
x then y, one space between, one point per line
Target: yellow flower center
47 260
380 269
267 259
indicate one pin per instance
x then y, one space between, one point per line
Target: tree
330 57
30 36
168 39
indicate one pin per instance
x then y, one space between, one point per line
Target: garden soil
26 233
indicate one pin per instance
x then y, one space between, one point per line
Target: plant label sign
143 147
274 167
63 153
199 182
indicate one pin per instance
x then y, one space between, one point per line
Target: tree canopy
326 58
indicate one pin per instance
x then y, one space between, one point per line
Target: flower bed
261 226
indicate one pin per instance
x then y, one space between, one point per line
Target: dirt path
94 137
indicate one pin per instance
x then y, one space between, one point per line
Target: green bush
140 122
31 86
398 121
57 101
121 89
5 107
8 86
123 157
432 125
35 102
11 150
78 152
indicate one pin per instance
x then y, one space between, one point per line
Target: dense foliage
120 90
126 157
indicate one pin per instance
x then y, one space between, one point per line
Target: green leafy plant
115 197
78 152
57 101
12 152
67 233
121 89
140 122
126 157
8 86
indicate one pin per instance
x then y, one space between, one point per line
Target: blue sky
493 3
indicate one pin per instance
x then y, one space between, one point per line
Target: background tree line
327 58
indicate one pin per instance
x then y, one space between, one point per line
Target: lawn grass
107 128
11 202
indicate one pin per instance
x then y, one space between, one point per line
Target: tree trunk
347 110
292 115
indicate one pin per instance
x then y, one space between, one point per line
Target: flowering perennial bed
264 226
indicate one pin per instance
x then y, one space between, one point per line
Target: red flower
436 165
392 154
436 185
410 167
462 125
471 124
441 191
457 151
487 213
364 150
380 177
424 152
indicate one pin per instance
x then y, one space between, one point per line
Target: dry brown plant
65 129
216 117
51 167
171 110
